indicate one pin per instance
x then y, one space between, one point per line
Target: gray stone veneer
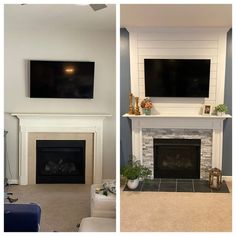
148 134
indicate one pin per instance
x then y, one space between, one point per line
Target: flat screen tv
177 77
61 79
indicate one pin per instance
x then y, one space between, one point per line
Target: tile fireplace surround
207 128
60 123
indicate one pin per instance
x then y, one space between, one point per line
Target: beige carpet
63 205
176 212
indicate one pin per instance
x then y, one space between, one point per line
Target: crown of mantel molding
60 115
178 116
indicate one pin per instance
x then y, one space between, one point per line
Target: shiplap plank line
197 36
213 58
177 44
166 51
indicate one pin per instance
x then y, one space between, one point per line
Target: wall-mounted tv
61 79
177 77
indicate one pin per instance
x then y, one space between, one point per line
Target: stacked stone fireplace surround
148 134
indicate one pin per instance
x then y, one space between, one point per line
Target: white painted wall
179 43
59 44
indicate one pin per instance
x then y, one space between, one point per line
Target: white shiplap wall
179 43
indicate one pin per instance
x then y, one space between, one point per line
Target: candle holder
215 178
131 107
136 112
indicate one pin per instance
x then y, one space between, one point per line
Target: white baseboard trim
227 178
13 181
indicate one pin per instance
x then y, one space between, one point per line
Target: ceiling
176 15
70 16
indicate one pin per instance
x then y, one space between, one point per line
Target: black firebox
60 161
177 158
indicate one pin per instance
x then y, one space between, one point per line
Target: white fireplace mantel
63 123
183 121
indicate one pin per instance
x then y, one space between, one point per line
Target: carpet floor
176 211
63 205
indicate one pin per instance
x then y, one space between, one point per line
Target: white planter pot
133 184
220 113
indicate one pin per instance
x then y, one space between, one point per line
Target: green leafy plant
221 108
134 170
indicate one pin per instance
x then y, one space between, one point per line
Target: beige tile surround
33 136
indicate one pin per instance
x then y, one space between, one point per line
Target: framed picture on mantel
206 110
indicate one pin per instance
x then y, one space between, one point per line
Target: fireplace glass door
60 161
177 158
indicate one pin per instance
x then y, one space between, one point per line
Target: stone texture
148 134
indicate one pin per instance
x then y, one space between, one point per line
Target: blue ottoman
22 217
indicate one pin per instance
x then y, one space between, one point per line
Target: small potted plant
146 104
133 171
221 109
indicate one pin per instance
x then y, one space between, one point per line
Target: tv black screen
177 77
61 79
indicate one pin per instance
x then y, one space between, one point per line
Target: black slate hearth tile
184 180
157 179
201 186
167 187
168 180
185 187
150 185
138 189
223 189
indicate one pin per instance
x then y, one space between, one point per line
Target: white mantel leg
137 140
23 163
217 145
98 145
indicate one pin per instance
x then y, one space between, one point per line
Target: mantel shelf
60 115
177 116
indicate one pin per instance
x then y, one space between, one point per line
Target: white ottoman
101 205
94 224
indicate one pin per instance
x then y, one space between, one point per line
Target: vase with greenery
133 171
221 109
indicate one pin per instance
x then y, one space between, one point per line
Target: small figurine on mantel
136 112
131 107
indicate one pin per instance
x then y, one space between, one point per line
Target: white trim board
12 181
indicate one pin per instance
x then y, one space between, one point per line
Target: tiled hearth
178 185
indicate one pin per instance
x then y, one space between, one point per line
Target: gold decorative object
136 111
131 107
215 178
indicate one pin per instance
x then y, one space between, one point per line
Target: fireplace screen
177 158
60 161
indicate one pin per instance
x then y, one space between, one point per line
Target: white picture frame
206 111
